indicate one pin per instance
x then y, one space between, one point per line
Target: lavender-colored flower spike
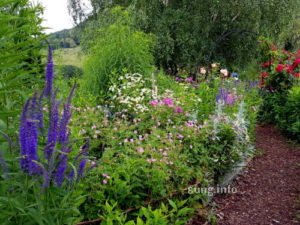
49 74
81 167
221 95
23 137
29 138
32 147
60 170
46 176
53 128
83 161
40 116
63 126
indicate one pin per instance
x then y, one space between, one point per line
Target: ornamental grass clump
53 164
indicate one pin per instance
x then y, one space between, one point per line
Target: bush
117 46
70 71
159 152
279 82
287 114
20 67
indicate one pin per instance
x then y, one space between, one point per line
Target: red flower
289 69
280 68
266 64
264 74
297 75
296 62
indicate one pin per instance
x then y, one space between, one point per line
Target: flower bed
186 136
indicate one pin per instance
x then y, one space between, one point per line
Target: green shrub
287 114
20 67
70 71
117 46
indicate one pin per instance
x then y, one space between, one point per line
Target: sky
56 16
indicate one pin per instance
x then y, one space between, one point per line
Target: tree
194 32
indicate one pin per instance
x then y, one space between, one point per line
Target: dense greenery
191 33
136 142
116 47
65 38
20 66
279 81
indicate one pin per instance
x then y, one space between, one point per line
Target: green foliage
24 202
70 71
191 33
117 46
20 45
287 113
65 38
151 156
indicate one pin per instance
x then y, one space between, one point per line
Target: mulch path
268 189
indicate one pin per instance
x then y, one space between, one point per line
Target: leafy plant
117 46
21 36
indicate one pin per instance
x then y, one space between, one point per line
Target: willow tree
194 32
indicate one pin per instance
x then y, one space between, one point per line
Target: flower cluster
53 165
169 102
226 97
130 92
282 67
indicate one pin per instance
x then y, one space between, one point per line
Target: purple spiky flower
61 167
53 127
63 126
29 139
54 165
49 73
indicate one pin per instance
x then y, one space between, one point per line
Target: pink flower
168 101
154 103
140 150
152 160
179 136
189 79
190 123
230 99
178 109
104 181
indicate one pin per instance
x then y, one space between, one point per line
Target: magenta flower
189 79
154 103
168 101
178 109
190 123
230 99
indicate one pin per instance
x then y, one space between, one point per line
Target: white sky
56 15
